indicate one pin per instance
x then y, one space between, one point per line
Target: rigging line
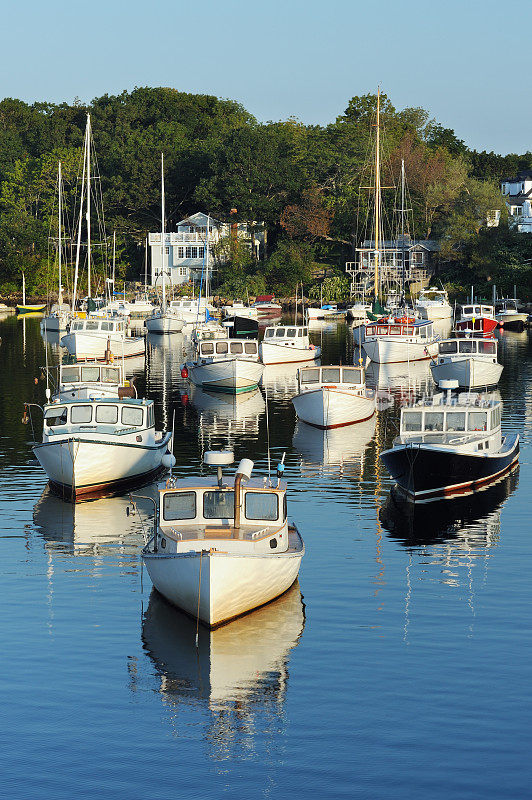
199 595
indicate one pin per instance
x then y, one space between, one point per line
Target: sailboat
25 309
59 316
167 319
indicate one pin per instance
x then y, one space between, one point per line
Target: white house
417 259
518 195
184 254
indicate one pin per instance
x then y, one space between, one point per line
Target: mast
114 264
88 155
146 265
207 262
403 231
377 193
78 243
163 249
59 244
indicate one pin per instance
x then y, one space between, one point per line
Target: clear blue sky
467 62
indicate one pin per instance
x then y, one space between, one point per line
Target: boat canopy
317 376
286 332
468 346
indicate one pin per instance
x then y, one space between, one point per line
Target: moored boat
400 340
287 343
450 445
223 546
433 304
477 319
508 315
333 396
472 362
225 365
94 338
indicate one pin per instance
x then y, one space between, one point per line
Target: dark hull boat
426 472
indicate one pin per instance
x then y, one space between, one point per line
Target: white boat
327 311
333 396
268 307
100 446
472 362
93 338
450 445
240 310
358 312
476 319
395 341
508 316
433 304
284 344
192 311
225 365
223 546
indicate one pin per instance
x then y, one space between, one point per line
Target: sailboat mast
403 229
377 193
88 157
59 226
78 243
207 262
114 264
163 233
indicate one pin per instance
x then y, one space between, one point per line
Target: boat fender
184 399
184 371
312 347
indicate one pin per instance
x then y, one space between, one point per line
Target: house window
189 251
180 252
201 252
167 251
183 272
416 258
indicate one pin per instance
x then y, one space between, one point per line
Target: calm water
400 666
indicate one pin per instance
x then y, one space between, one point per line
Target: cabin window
91 325
412 420
70 374
285 509
468 311
395 329
90 374
237 348
423 331
110 375
106 326
279 332
107 414
300 332
56 416
291 332
310 376
131 416
261 505
455 421
179 505
382 331
351 375
269 333
250 348
77 326
305 331
447 347
222 347
187 305
219 504
488 348
466 346
434 420
495 418
370 331
478 421
409 331
80 415
207 349
329 375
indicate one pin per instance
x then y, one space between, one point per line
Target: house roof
199 219
397 244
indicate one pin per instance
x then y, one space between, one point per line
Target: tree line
302 181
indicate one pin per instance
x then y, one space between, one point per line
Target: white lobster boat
332 397
238 309
472 362
396 341
222 547
225 365
283 344
93 338
433 304
192 311
165 320
92 447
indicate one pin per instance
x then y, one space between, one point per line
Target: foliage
290 264
331 290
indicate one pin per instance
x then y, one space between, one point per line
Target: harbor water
399 665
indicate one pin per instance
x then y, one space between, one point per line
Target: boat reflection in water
237 671
407 378
225 415
336 450
280 380
95 524
466 522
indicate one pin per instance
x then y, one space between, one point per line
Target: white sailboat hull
333 408
164 323
230 585
83 466
84 345
271 353
385 350
474 373
232 375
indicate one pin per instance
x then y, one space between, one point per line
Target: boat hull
164 323
229 584
231 376
480 326
285 354
387 351
425 473
326 408
512 322
82 346
84 467
30 309
436 312
471 373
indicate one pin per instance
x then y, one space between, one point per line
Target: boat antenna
268 433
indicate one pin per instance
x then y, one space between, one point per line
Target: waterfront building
418 256
518 196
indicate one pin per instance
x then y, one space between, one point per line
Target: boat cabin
228 348
314 377
433 296
476 310
465 417
86 381
98 326
409 332
288 335
100 416
468 347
